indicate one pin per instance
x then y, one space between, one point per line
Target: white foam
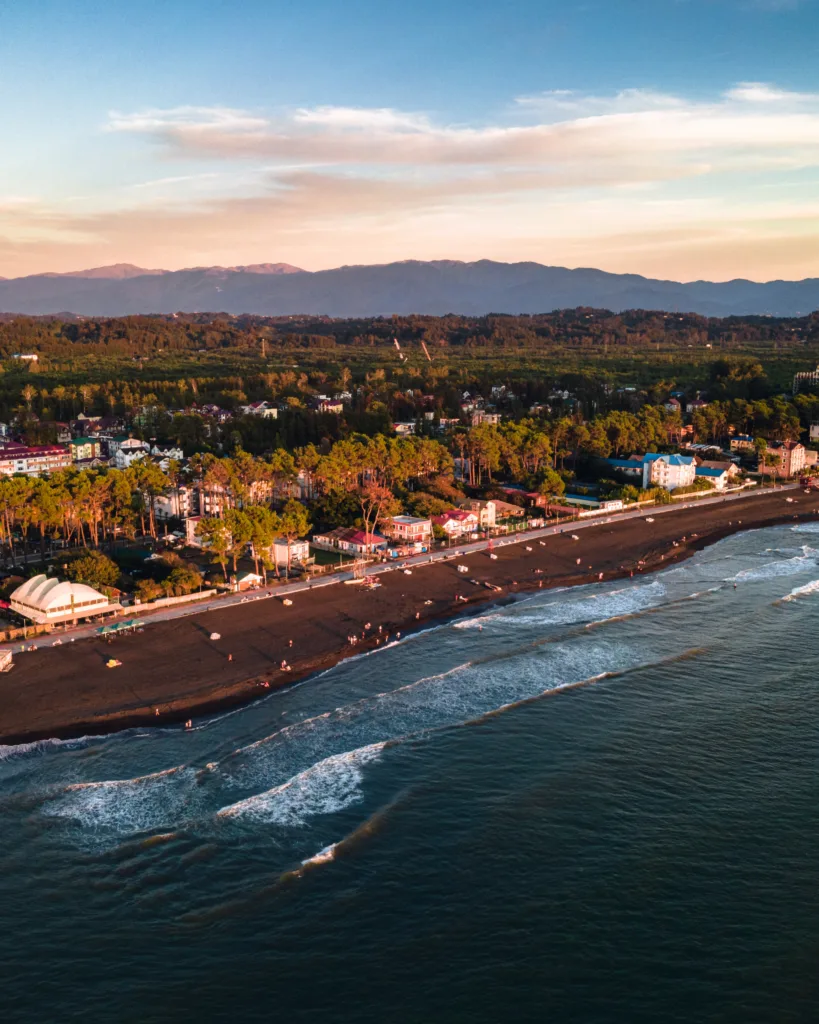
11 751
770 570
807 589
324 788
322 857
591 607
125 805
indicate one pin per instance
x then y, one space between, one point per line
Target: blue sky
674 138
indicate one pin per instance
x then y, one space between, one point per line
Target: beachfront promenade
416 561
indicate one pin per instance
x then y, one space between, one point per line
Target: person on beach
230 657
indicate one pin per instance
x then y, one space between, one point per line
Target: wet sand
173 671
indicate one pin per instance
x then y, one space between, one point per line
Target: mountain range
411 286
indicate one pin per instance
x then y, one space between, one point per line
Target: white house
718 477
668 471
127 450
457 523
299 552
167 452
178 504
263 409
486 511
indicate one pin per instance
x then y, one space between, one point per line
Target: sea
597 804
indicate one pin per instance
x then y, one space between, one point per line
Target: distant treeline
583 329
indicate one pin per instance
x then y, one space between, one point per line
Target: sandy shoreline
175 669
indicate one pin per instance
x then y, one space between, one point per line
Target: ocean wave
804 591
125 805
589 608
10 751
770 570
324 788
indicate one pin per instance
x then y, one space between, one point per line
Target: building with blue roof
668 471
718 477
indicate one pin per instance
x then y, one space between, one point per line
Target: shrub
93 568
149 590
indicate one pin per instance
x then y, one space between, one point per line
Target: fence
165 602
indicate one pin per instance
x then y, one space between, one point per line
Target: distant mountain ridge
435 287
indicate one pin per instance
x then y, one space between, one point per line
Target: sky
671 138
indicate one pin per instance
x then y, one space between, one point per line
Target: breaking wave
14 750
806 528
804 591
590 608
786 567
126 805
324 788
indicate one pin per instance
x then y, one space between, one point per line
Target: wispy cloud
635 128
639 180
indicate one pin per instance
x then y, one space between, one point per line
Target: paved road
282 590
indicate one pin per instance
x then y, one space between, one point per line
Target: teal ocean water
592 805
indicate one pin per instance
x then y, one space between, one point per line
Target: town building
351 541
409 530
457 522
332 405
742 443
807 380
83 448
180 503
263 409
486 511
730 468
695 405
32 460
589 505
128 451
668 471
716 476
299 552
784 458
631 469
192 538
404 429
247 581
167 452
491 419
47 601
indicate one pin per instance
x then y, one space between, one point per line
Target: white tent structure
46 600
